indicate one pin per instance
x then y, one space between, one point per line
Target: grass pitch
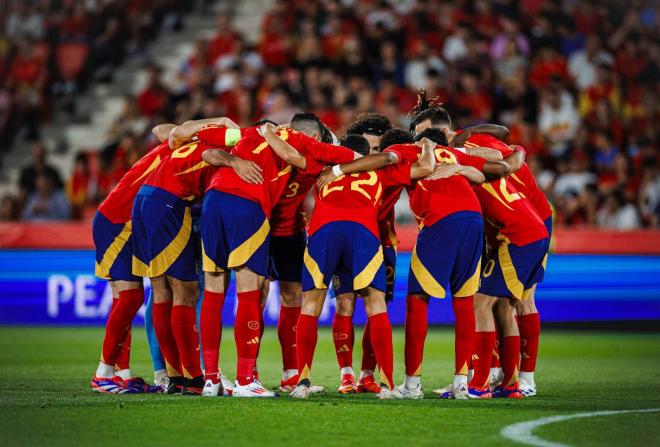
45 397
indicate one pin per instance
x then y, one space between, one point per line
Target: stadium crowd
575 82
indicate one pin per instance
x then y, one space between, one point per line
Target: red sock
286 333
247 335
123 361
484 343
343 336
381 340
368 355
162 316
210 321
530 330
495 359
119 323
463 333
262 327
306 335
416 327
184 328
510 359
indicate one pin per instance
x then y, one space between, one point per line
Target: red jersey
526 183
504 205
432 200
356 197
118 205
276 172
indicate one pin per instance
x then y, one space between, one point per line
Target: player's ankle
288 373
346 370
413 382
366 373
105 371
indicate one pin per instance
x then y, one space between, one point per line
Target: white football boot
301 392
211 389
252 389
388 394
526 383
410 393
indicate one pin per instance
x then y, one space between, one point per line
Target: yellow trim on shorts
164 260
208 264
244 252
366 276
314 271
424 277
514 285
470 286
102 270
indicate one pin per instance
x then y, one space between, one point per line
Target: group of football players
222 198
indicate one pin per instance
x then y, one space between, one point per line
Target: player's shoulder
405 150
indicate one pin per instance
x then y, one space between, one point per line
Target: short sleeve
323 153
398 174
219 136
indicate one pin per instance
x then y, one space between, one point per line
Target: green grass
45 398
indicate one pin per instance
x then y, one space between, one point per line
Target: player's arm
495 130
371 162
245 169
446 170
162 131
515 160
183 133
495 169
485 153
425 164
458 142
283 149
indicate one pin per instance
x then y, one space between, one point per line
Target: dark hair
428 109
263 121
307 122
370 123
433 134
356 143
326 134
395 136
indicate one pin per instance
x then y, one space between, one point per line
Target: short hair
370 123
395 136
263 121
356 142
433 134
307 123
428 109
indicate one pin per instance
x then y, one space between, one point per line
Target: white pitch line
522 431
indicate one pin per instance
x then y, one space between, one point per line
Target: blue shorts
447 256
235 233
345 249
163 240
548 226
114 249
342 283
512 270
286 257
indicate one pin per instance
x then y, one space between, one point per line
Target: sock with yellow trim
510 360
286 333
530 331
184 328
381 340
162 318
368 355
343 336
306 337
415 332
484 342
463 333
247 335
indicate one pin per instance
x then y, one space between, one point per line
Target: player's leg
505 313
265 291
343 337
529 325
160 371
416 327
215 285
484 342
306 337
290 303
381 339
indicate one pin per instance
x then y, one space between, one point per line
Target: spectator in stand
46 202
8 208
154 97
617 213
558 119
27 182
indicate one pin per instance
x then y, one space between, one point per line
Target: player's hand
425 142
443 170
326 177
247 170
265 128
460 139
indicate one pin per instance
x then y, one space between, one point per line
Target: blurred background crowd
576 82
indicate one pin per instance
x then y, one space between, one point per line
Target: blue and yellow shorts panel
342 283
114 249
447 257
235 233
163 240
348 250
286 257
511 270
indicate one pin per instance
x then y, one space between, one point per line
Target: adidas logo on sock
343 348
254 341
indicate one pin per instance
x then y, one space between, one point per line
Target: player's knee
312 303
374 302
185 293
215 281
290 294
345 305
